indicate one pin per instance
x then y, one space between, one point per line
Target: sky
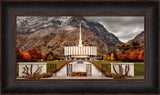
124 27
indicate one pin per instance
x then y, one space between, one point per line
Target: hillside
53 33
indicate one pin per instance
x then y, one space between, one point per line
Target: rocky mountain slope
53 33
139 38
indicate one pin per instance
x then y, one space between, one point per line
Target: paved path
79 67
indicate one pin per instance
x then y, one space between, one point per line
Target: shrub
115 76
73 73
107 74
83 73
118 76
38 76
49 74
44 75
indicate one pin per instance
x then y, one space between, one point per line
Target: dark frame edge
74 0
159 47
0 46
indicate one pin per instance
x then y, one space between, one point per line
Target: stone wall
123 68
27 68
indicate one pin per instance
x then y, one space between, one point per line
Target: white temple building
80 52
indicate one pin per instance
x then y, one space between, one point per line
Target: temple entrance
69 69
89 69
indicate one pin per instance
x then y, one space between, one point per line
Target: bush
49 74
73 73
78 73
107 74
115 76
83 73
118 76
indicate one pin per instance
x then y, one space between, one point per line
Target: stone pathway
79 67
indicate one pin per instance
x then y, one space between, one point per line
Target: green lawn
51 64
138 68
54 62
17 69
136 77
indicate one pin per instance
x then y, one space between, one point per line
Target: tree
49 57
127 53
122 57
43 57
35 54
19 55
141 55
134 55
127 46
136 45
108 57
104 57
112 57
122 45
26 56
118 46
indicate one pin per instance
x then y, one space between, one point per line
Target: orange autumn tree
121 57
141 55
104 57
19 55
43 57
35 54
26 56
112 57
134 55
49 57
127 53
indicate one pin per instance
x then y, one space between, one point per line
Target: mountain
53 33
139 38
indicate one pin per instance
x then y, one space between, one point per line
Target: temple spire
80 37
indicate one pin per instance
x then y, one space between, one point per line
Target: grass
138 68
136 77
52 64
17 69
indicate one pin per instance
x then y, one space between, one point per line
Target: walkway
79 67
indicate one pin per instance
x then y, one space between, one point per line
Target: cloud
124 27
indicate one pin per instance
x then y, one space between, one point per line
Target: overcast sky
124 27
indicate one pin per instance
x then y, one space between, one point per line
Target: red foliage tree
26 56
134 55
19 55
35 54
127 53
141 55
122 57
122 45
43 57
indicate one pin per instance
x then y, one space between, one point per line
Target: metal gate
89 69
69 69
